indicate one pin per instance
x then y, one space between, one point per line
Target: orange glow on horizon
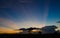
8 31
33 31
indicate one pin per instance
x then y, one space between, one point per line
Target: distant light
36 30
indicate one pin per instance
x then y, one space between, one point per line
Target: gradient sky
29 13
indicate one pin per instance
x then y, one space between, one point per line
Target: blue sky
46 12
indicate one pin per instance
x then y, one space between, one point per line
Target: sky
15 14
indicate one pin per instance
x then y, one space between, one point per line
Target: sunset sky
15 14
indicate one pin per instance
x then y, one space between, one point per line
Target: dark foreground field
29 35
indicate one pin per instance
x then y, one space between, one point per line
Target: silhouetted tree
22 29
49 29
58 31
30 29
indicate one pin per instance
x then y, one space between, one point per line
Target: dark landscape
39 34
29 35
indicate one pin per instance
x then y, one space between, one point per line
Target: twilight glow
16 14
